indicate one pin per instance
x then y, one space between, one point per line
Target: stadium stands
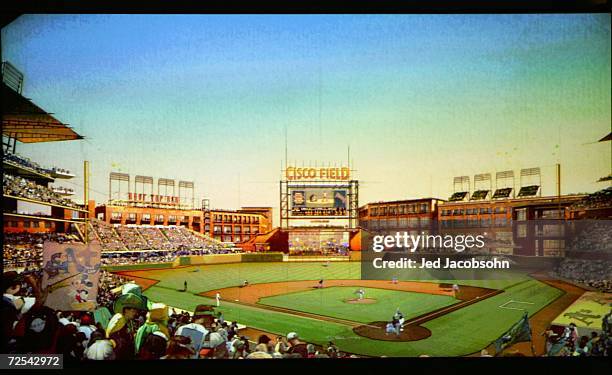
502 193
24 163
593 273
20 187
528 191
459 196
600 199
479 195
594 237
109 239
132 238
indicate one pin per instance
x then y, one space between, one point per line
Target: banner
519 332
71 273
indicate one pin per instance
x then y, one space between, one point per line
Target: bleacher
459 196
131 238
109 239
479 195
528 191
20 187
159 238
502 193
155 238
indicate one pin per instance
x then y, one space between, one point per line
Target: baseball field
282 297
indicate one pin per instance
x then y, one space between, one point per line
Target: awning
26 122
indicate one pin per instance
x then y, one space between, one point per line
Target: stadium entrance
319 210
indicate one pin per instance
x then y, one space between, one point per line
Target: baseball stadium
143 258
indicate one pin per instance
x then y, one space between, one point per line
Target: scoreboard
318 202
324 197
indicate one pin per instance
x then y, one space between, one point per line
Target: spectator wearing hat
296 346
197 324
121 328
157 321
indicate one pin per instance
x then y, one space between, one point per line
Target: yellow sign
329 174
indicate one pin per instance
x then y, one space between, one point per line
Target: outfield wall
194 260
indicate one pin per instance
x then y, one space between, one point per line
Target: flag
521 331
70 274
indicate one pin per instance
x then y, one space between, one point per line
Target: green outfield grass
458 333
331 302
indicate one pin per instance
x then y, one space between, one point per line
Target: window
238 230
402 209
159 218
116 215
424 207
48 224
500 210
247 230
500 221
521 230
521 214
374 211
146 217
217 229
227 229
172 219
14 224
132 217
553 230
551 214
485 210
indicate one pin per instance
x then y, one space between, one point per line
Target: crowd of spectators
138 330
593 273
104 232
600 199
565 341
131 238
155 239
20 187
593 236
24 163
170 238
62 190
25 249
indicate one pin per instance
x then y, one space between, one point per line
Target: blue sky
419 98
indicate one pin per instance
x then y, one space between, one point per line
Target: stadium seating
20 187
459 196
24 163
502 193
109 239
479 195
132 238
600 199
528 191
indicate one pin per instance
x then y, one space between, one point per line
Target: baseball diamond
282 297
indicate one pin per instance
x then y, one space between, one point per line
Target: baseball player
455 290
218 298
360 293
400 319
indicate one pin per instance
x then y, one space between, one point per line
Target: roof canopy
606 138
28 123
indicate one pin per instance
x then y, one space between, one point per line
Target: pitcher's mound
364 301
